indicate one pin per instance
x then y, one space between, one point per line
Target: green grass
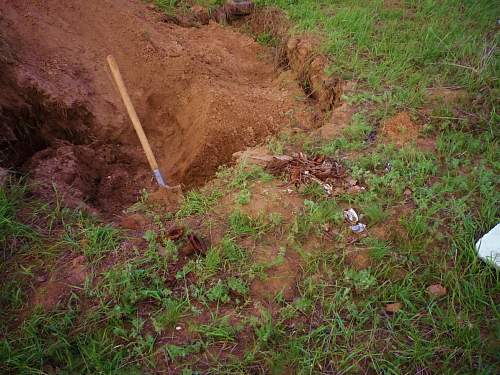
174 6
124 318
402 49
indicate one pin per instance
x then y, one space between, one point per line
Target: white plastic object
358 228
488 247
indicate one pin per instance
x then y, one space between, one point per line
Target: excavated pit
202 93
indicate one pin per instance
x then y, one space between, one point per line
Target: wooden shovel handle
115 72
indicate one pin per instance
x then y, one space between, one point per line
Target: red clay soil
202 94
400 129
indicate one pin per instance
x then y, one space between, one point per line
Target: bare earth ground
202 94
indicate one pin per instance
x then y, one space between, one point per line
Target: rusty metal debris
198 244
175 233
301 169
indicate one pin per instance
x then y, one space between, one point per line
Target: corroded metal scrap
301 169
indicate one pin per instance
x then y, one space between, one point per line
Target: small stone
436 290
393 307
178 328
41 279
407 193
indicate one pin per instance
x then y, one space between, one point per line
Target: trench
202 94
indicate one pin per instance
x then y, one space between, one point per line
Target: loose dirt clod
175 233
99 178
168 198
134 222
340 118
359 260
61 281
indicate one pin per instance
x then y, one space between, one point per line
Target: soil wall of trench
202 93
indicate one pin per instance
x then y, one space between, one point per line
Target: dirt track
202 93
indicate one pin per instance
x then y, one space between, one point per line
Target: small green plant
243 197
242 224
361 280
175 351
267 39
219 329
375 212
13 233
218 293
237 285
169 315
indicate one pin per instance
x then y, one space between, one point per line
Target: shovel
115 71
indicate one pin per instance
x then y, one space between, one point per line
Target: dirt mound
202 93
103 177
400 129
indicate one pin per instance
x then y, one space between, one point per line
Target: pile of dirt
400 129
202 94
101 177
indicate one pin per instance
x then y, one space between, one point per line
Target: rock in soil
393 307
436 290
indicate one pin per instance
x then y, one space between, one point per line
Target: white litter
488 247
358 228
351 216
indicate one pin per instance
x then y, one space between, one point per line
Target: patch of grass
244 197
315 216
218 330
14 235
97 240
267 39
197 202
402 48
168 316
242 224
176 352
241 175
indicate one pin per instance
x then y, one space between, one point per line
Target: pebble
436 290
393 307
